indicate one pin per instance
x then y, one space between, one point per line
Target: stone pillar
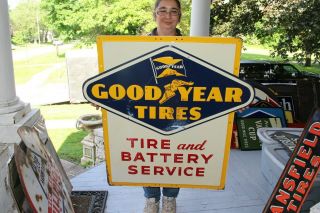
200 18
13 112
9 102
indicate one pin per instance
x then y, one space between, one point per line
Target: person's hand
96 106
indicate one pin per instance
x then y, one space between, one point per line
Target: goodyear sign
160 102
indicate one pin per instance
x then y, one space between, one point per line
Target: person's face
167 15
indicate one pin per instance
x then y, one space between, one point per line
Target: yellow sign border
218 40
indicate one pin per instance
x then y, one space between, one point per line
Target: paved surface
72 169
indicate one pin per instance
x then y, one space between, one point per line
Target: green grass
67 143
252 56
25 69
66 111
315 68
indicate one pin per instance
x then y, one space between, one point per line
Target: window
254 71
291 70
283 71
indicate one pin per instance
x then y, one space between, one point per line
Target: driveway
29 52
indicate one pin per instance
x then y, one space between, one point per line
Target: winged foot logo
166 67
168 90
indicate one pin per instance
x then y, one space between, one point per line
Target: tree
290 26
298 25
85 19
61 16
25 22
235 17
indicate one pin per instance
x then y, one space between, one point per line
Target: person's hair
156 4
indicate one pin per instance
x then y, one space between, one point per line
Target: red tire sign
300 172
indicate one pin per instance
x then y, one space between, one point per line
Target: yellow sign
167 108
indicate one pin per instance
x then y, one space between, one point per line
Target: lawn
25 69
253 56
315 68
67 143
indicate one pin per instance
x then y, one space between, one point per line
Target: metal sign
40 177
288 140
300 172
247 131
168 101
287 104
257 112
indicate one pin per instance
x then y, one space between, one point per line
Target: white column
9 102
200 17
13 112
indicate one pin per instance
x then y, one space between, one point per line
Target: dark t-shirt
155 33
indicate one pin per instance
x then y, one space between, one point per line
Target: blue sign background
142 74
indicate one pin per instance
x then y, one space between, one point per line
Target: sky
13 3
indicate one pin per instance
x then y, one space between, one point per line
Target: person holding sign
167 15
